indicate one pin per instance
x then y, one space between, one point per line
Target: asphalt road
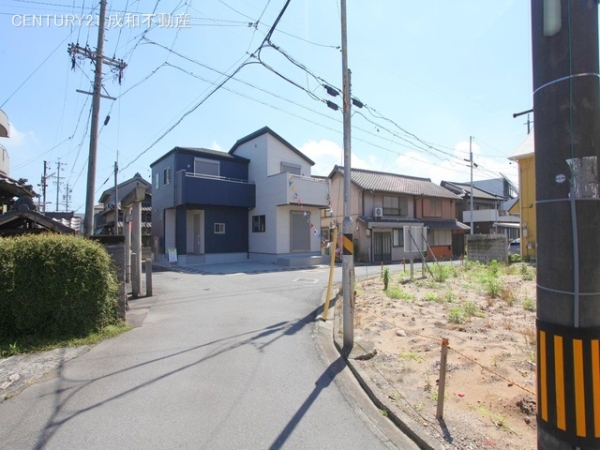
226 359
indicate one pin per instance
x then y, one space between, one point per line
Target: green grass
529 304
35 344
432 297
398 293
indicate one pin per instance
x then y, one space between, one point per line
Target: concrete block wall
487 247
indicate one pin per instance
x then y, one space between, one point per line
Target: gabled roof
525 148
464 190
265 130
394 183
15 220
137 178
199 151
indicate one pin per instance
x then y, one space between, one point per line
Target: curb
404 423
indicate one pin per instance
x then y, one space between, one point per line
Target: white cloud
216 146
18 138
326 154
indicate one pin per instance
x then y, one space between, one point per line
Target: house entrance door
299 231
382 247
199 233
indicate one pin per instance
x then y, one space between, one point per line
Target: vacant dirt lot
487 313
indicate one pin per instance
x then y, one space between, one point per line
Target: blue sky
431 73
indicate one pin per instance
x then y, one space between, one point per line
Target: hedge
54 285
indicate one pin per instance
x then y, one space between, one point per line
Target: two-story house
200 203
104 220
493 206
258 202
383 204
285 225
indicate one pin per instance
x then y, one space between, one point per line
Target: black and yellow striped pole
566 101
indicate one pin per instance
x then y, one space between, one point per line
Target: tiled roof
465 189
395 183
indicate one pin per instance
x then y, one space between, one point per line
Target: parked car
515 246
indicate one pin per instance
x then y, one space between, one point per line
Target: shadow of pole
323 382
53 424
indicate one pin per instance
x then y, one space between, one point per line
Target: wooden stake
442 382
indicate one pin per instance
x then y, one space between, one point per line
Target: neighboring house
382 204
104 220
524 155
285 225
68 218
493 201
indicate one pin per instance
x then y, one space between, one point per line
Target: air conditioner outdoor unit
378 213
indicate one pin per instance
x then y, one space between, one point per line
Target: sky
430 75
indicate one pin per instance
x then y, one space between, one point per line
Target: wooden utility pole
99 59
566 98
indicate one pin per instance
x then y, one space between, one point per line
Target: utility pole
348 241
67 197
98 58
566 100
471 164
529 122
44 185
58 178
116 228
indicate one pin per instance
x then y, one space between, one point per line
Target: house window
219 228
294 169
433 207
156 181
398 237
395 206
167 176
206 167
258 224
440 237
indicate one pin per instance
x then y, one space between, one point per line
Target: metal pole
566 101
331 267
88 223
44 185
347 242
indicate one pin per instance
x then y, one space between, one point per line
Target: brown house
383 204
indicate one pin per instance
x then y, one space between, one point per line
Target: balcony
209 190
288 189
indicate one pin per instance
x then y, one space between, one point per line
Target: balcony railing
210 190
288 189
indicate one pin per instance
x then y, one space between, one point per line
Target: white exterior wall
266 153
278 153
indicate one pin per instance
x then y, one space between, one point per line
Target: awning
445 224
509 224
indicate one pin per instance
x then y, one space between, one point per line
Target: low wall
487 247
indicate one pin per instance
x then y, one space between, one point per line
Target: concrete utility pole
67 197
470 161
98 58
58 178
348 242
567 146
44 185
116 228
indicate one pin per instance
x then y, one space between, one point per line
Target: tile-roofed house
492 203
382 204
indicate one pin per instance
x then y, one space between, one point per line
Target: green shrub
386 278
56 285
457 315
529 304
440 273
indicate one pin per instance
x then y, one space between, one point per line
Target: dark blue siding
235 239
